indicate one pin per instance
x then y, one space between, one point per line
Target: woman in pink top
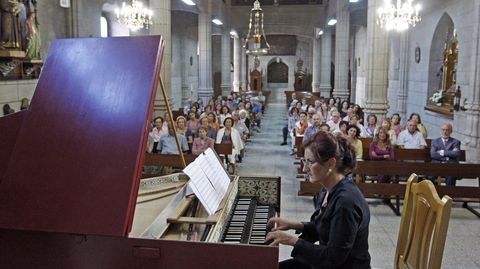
203 142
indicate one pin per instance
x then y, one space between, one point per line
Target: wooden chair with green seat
423 226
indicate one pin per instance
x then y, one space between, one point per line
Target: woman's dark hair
398 115
228 109
343 123
156 118
415 114
325 146
350 126
225 120
292 109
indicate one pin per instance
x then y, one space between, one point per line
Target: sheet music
208 180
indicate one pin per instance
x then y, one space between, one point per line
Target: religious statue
9 24
32 37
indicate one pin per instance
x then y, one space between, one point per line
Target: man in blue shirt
167 144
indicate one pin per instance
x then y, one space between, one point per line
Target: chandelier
398 17
255 32
134 16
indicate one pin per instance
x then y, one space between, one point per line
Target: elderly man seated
411 138
168 145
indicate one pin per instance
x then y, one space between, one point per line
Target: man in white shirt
411 138
334 123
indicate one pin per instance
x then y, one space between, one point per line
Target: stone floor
265 156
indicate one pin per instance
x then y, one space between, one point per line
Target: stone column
377 65
205 89
403 76
244 70
162 26
342 40
177 66
226 53
316 64
326 60
467 123
237 63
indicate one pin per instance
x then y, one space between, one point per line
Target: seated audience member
337 234
228 135
348 115
420 127
381 149
208 109
243 118
239 125
187 107
202 142
355 120
410 138
315 127
225 114
192 122
183 130
396 123
353 134
257 109
334 122
325 127
331 103
288 129
318 106
446 149
311 111
344 109
168 145
391 133
302 124
371 126
343 128
210 130
359 111
154 136
293 98
304 105
213 121
324 113
299 106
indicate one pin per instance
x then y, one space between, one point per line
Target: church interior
381 58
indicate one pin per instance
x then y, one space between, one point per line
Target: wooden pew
396 168
310 96
174 161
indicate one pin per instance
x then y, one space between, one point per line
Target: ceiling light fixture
217 21
134 16
398 17
189 2
332 22
256 33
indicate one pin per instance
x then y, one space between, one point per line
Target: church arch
443 30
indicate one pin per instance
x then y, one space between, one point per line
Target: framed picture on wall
417 54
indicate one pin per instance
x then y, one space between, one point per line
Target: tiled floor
265 156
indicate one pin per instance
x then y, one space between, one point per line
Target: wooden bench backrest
224 149
172 160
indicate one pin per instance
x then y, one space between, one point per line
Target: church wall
418 74
184 46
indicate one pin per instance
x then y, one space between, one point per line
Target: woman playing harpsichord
340 224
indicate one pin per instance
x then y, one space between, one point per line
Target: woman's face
415 118
191 115
345 105
210 117
228 123
158 124
208 109
317 172
331 101
352 132
224 110
394 119
181 123
303 117
386 124
382 135
299 105
204 122
193 109
372 121
343 128
219 107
